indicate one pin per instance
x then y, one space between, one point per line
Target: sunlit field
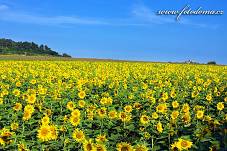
114 106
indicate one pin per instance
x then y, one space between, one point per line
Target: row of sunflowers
116 106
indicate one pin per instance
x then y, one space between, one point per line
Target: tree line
8 46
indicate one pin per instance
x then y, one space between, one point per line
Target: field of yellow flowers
114 106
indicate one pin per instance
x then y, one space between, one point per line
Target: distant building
189 61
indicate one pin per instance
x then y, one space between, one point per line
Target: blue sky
119 29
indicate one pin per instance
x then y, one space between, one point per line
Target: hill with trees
8 46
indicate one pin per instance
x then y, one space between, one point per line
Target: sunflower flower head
199 114
44 133
144 119
183 144
140 147
88 145
220 106
101 138
159 127
123 146
78 135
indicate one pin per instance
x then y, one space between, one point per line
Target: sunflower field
114 106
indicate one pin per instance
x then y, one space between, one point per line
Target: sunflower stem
169 141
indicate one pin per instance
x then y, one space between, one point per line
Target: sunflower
62 128
123 146
82 94
101 112
18 84
14 126
183 144
199 114
186 117
185 107
208 118
103 101
89 145
42 90
131 96
78 135
144 119
124 117
100 147
128 108
53 132
220 106
137 105
152 100
33 81
165 96
154 115
29 108
134 88
174 115
81 103
109 100
147 135
16 92
128 117
27 115
75 113
48 112
45 120
90 115
70 105
2 142
174 146
31 99
101 138
5 133
44 133
173 94
112 114
5 92
144 86
159 127
142 129
17 107
209 97
198 107
66 141
22 147
175 104
140 147
161 108
74 120
218 93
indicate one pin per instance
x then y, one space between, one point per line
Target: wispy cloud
52 20
145 14
8 15
3 7
141 16
23 17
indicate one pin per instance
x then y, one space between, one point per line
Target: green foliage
8 46
66 55
211 62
